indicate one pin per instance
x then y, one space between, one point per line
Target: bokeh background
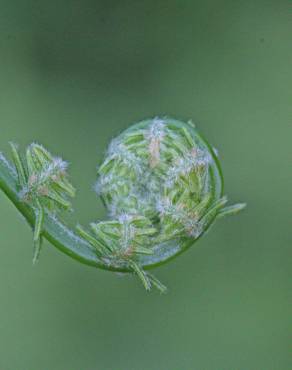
73 74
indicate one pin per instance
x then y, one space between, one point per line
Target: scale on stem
160 181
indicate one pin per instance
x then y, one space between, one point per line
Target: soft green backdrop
75 73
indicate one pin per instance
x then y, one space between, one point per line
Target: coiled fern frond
160 181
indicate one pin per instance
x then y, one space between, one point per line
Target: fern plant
160 181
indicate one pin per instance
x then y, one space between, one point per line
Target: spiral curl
160 181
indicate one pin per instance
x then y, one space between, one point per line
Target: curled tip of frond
160 181
163 172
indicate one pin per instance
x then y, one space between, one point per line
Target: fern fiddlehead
160 181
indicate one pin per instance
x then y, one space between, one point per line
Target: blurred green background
73 74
